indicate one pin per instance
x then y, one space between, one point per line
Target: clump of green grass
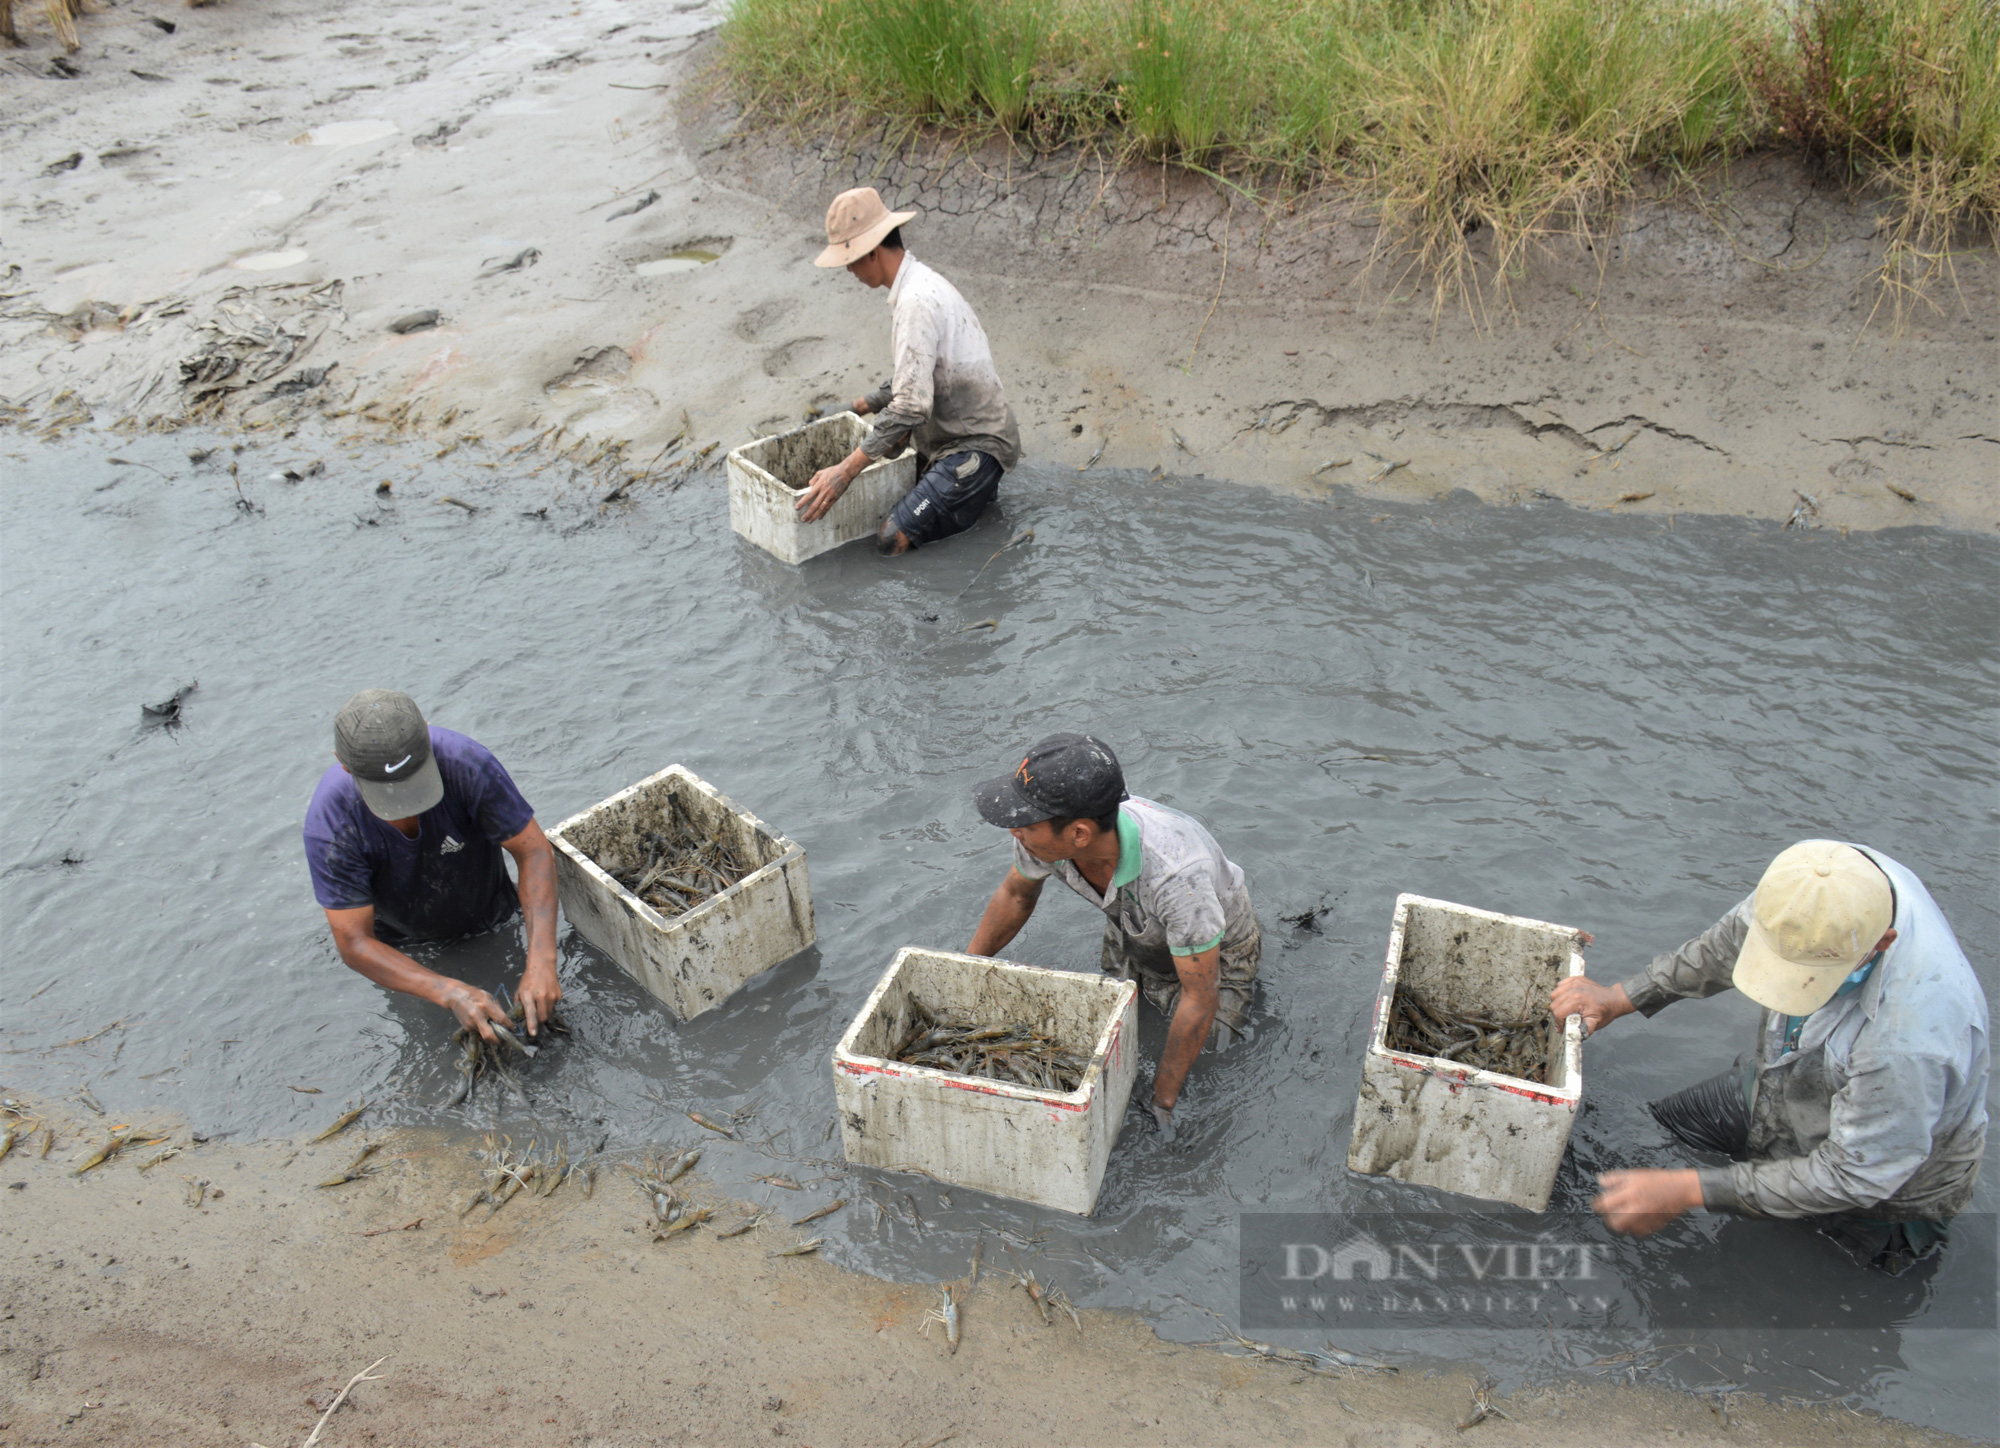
956 62
1012 66
1179 71
1479 125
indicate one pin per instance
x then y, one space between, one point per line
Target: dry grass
1525 130
1479 125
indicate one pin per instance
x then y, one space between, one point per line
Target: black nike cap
381 737
1065 776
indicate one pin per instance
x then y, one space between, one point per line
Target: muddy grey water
1607 722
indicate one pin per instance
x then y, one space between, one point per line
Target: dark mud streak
1882 442
1465 416
1635 420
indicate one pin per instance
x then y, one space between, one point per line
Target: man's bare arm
1012 903
354 938
1188 1031
535 859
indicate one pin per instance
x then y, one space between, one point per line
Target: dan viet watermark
1459 1278
1517 1269
1391 1272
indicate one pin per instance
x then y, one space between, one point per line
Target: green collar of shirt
1130 856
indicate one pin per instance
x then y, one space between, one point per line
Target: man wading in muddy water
1178 918
403 838
1863 1106
945 398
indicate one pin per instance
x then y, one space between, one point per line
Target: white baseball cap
1817 914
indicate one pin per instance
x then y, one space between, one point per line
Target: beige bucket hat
1817 914
855 225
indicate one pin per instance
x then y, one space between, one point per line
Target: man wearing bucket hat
404 839
945 398
1177 915
1863 1104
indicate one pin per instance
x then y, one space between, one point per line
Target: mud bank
233 218
128 1316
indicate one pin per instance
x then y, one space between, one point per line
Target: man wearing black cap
403 838
1178 918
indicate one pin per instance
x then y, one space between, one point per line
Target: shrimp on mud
945 1312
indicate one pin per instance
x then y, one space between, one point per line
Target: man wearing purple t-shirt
404 838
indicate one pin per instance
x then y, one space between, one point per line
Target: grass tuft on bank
1478 125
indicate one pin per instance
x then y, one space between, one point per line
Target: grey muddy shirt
945 396
1173 889
1879 1107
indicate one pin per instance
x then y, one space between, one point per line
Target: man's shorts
1153 968
948 498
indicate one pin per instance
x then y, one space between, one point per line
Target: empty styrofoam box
1436 1123
768 477
692 962
1044 1147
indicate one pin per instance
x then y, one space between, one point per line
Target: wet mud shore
257 215
129 1316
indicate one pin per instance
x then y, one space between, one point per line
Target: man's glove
1163 1117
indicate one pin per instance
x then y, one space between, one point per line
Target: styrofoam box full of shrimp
1042 1146
1437 1122
694 961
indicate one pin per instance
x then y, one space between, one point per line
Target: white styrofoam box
1436 1123
769 476
1044 1147
692 962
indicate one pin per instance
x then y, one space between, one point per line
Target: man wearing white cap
945 398
1864 1103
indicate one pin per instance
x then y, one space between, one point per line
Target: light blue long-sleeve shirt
1880 1108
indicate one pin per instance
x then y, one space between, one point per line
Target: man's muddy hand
1639 1203
822 492
473 1007
1599 1005
861 407
540 990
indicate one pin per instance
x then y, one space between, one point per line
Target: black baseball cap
381 736
1065 776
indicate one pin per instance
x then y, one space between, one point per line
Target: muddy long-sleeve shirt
945 396
1876 1103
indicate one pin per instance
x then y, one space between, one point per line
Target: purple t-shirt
451 880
